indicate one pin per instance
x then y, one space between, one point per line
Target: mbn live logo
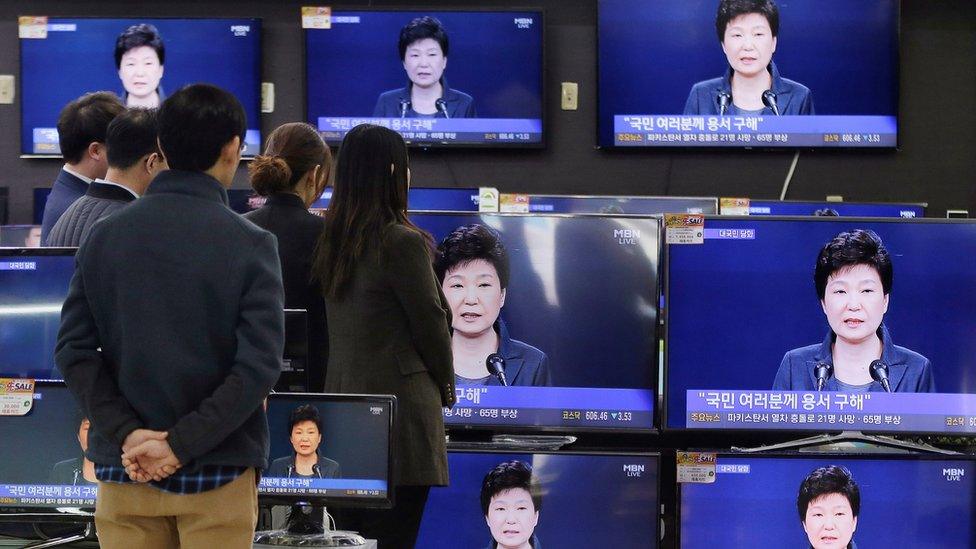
953 474
626 236
634 470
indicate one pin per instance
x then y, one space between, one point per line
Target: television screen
337 449
844 209
62 58
426 199
831 501
33 285
359 70
4 206
546 499
752 333
571 326
43 461
20 236
647 205
40 200
805 73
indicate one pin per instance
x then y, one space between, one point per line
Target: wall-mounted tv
440 78
824 324
141 60
831 501
768 74
566 305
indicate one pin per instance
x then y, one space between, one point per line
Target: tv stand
850 442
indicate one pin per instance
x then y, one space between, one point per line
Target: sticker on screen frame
513 203
733 206
16 396
684 228
316 17
696 467
32 27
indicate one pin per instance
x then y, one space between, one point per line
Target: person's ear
502 303
97 151
231 151
885 303
774 46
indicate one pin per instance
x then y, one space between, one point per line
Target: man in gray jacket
171 338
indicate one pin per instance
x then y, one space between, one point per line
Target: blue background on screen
65 65
846 209
578 295
735 307
652 53
490 59
588 501
903 504
27 340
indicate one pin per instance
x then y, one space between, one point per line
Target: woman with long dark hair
389 323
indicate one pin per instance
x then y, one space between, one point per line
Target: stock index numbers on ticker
553 407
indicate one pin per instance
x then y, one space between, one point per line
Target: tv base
851 442
305 529
87 535
514 442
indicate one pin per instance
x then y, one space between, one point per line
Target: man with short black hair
133 161
171 338
82 125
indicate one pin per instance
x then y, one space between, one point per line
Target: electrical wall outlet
267 97
570 96
6 89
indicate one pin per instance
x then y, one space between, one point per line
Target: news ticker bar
553 406
801 410
442 130
48 494
643 130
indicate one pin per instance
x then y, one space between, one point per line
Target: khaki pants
137 515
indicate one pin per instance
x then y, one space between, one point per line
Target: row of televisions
560 499
612 311
356 71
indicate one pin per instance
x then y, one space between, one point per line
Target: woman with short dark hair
305 432
829 503
139 57
510 501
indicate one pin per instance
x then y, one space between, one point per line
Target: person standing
389 322
171 338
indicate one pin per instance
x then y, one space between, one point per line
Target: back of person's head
730 9
468 243
825 481
130 137
84 121
369 193
419 29
510 475
137 36
196 123
293 150
850 248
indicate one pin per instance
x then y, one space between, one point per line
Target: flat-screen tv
328 448
559 499
647 205
831 501
20 236
844 209
802 73
572 328
43 455
359 69
435 199
33 285
62 58
764 332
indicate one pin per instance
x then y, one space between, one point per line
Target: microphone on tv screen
879 373
724 100
769 99
404 106
442 107
496 367
823 371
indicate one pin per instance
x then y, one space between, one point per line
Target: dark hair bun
269 174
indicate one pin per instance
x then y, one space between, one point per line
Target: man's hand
151 458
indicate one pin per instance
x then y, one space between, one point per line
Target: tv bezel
543 71
666 276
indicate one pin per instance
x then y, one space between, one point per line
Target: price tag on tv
684 228
513 203
316 17
733 206
16 396
487 199
32 26
696 467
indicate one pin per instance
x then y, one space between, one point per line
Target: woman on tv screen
139 57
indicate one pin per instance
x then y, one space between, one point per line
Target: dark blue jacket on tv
908 371
67 188
524 364
791 97
457 103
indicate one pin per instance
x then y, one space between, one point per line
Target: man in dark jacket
171 338
81 134
133 161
